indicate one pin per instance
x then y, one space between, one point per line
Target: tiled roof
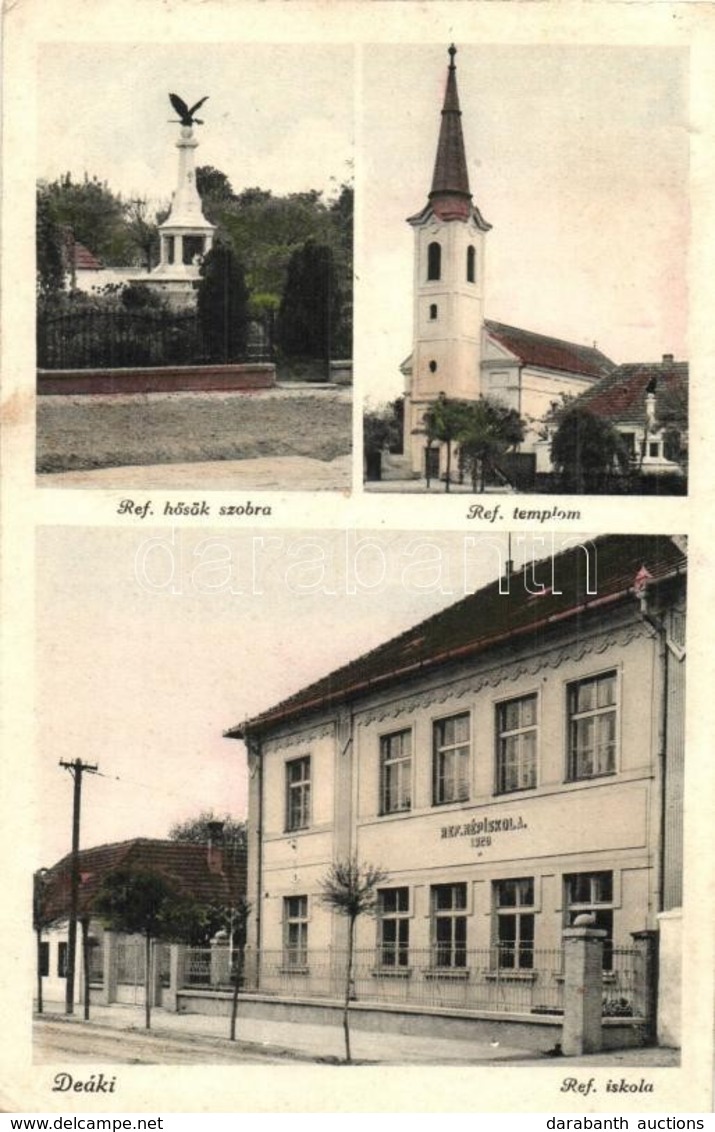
84 260
620 396
488 619
550 353
183 864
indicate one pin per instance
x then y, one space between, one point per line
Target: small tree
487 431
40 921
350 889
142 902
311 304
443 421
586 450
222 305
240 912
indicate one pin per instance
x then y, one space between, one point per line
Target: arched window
434 261
471 264
432 311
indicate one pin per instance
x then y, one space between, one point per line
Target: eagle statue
186 114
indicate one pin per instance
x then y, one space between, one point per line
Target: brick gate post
583 990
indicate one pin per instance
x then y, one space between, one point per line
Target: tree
143 231
443 421
49 249
144 903
350 889
586 450
40 920
199 831
222 305
241 912
94 215
488 430
310 308
381 431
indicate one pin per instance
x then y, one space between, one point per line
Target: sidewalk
326 1043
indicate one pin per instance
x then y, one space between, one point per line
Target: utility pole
76 769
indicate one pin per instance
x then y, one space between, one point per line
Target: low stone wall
524 1031
167 379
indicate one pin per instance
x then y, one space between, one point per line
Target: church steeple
450 167
448 283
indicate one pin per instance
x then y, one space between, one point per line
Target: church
460 354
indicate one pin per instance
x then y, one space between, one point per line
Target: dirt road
66 1043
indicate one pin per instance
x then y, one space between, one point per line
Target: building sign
480 830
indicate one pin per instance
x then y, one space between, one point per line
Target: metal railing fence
466 980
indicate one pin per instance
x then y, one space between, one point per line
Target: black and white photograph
534 339
449 833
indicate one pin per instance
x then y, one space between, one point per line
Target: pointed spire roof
450 197
450 167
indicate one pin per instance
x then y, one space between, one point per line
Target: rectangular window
44 958
62 955
393 927
451 759
514 903
449 925
298 793
592 894
395 772
516 745
295 931
592 727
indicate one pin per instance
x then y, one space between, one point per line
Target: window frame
574 755
439 751
298 816
456 915
502 733
295 955
603 910
63 954
400 917
471 272
434 261
403 766
521 912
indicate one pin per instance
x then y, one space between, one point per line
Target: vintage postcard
318 798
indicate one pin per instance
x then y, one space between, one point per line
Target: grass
75 433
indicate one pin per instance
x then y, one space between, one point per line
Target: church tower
448 283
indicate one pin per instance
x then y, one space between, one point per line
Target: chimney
214 856
668 359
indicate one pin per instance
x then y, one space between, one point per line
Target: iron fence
118 339
475 980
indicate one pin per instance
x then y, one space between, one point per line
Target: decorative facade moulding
305 736
506 671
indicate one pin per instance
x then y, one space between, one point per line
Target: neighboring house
458 353
648 403
206 874
513 762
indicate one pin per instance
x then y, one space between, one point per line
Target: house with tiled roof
205 874
648 403
459 354
512 763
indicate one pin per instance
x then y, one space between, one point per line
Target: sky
577 156
104 109
152 643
